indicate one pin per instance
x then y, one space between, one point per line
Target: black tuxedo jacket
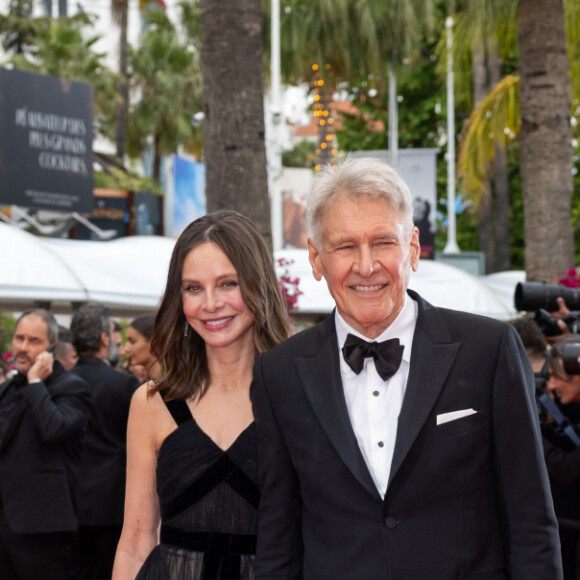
466 499
39 456
101 492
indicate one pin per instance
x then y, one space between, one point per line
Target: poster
45 142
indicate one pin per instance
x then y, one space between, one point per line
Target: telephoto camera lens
531 296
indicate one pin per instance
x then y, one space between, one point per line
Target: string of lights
326 150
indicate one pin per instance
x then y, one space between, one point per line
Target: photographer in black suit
101 493
43 410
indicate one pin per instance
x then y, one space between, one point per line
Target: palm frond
495 121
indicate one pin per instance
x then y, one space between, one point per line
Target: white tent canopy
128 275
503 284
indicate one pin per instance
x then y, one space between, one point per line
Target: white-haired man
396 440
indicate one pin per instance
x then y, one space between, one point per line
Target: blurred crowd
552 344
61 508
110 360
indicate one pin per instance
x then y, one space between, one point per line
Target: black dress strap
179 410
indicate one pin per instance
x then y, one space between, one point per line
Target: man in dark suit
416 459
101 494
43 411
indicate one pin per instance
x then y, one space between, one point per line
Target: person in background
191 462
43 412
396 439
563 455
534 342
140 360
101 492
64 351
117 336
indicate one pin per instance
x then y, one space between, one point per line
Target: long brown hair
183 363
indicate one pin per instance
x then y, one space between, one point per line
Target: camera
542 298
539 295
541 379
571 358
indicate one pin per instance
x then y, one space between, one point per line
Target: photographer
562 454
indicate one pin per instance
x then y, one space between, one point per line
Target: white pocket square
454 415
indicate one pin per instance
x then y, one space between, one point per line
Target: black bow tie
387 355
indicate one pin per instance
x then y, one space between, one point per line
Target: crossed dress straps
222 551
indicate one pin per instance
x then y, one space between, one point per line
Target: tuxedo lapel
432 356
321 380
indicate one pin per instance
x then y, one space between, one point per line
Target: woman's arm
146 429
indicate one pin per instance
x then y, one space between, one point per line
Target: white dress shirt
373 404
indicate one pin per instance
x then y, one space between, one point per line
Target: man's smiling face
366 253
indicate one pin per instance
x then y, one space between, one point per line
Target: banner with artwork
189 200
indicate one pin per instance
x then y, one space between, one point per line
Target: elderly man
396 440
43 411
101 494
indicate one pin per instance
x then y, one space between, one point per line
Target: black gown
209 501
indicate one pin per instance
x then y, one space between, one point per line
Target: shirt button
381 444
376 393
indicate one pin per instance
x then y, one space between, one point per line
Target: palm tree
484 38
17 27
534 105
349 39
233 106
545 139
60 48
120 14
166 82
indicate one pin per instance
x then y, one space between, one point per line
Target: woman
191 435
140 360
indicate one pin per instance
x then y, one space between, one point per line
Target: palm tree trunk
502 210
233 97
484 208
123 89
545 140
156 159
500 178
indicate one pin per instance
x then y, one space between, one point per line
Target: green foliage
355 38
7 326
517 240
302 155
465 222
165 82
420 111
17 27
60 48
114 178
495 121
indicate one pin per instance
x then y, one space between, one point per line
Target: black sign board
109 213
45 142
